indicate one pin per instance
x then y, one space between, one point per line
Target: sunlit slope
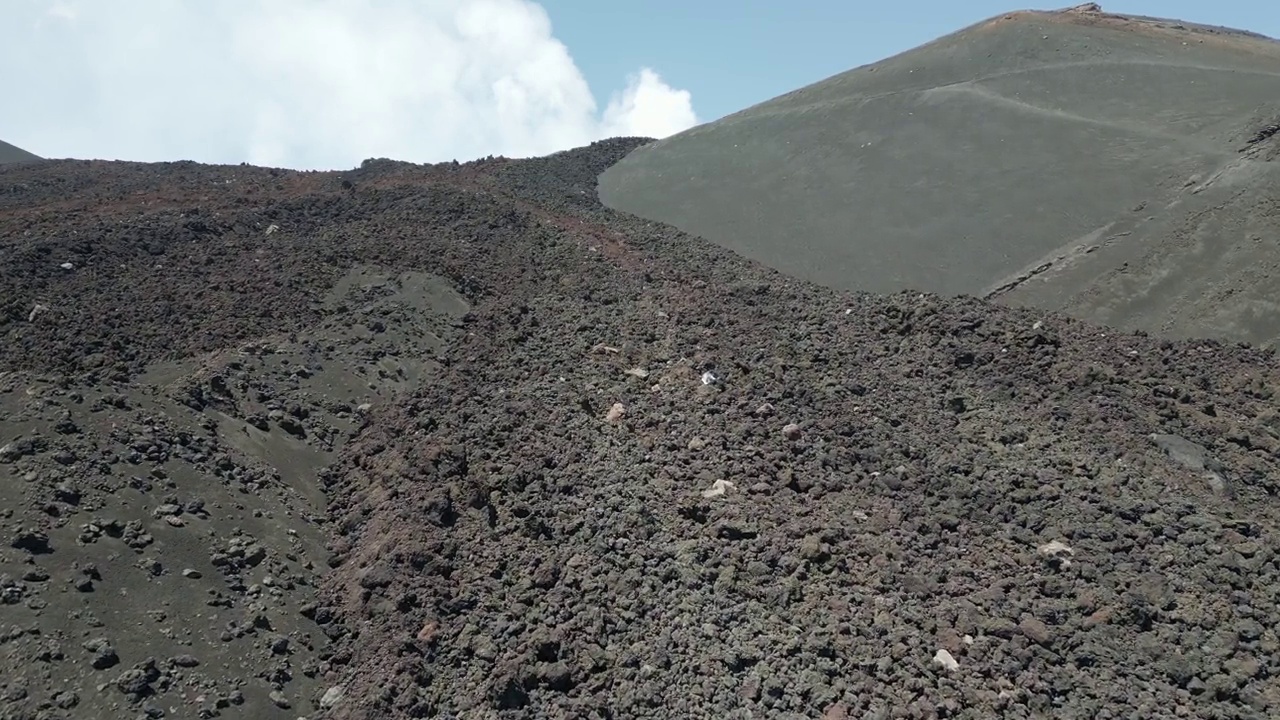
1073 160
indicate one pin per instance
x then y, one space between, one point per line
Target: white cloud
649 108
307 83
63 11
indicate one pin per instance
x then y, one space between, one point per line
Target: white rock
1053 548
616 412
332 696
946 661
1057 550
708 378
67 266
718 488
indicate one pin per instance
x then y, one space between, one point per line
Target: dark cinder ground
457 441
1105 166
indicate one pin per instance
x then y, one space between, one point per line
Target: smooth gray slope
1071 160
12 154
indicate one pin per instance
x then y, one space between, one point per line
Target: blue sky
324 84
731 54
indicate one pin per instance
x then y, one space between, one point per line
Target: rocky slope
458 441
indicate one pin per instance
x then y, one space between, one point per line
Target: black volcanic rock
564 461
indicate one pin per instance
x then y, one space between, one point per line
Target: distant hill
12 154
1118 168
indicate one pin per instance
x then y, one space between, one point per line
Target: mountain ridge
13 154
1006 160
